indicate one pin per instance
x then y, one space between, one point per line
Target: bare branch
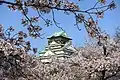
42 17
56 23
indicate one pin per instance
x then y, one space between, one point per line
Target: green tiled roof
58 34
61 33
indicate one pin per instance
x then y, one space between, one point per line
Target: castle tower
59 45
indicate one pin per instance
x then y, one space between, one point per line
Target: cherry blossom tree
99 61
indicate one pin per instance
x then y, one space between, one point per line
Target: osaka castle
59 45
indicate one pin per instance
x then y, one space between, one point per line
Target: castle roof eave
42 52
59 36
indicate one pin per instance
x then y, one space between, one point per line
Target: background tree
117 35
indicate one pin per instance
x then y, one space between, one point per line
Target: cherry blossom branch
63 9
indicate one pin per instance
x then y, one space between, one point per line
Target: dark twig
95 4
56 23
42 17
